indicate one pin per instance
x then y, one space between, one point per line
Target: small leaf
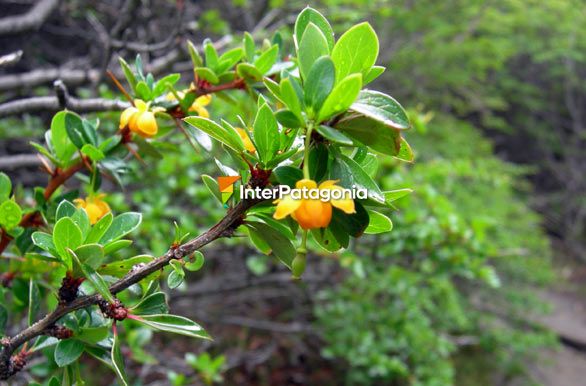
341 97
207 74
268 58
66 235
67 352
10 214
117 245
379 223
92 152
122 267
266 133
356 51
319 84
393 195
5 187
196 262
175 278
334 135
405 152
280 245
99 228
212 186
382 108
312 46
118 361
310 15
228 137
175 324
45 242
152 304
60 142
92 335
94 278
121 225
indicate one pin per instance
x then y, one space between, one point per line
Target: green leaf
310 15
195 263
405 152
249 47
393 195
92 152
229 59
351 174
91 254
164 83
356 51
319 84
379 223
118 361
280 245
60 142
5 187
312 46
288 175
65 209
210 54
122 267
194 54
122 225
382 108
94 278
212 186
116 246
290 97
326 239
248 71
175 324
207 74
44 241
79 131
67 351
92 335
288 119
66 235
226 136
273 87
353 224
175 278
341 97
268 58
372 74
371 133
266 134
128 74
334 135
99 228
34 301
10 214
153 304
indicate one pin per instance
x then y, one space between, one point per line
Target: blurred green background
481 280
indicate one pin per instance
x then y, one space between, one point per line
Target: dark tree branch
51 103
224 228
33 19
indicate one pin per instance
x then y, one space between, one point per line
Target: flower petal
204 100
126 116
329 184
147 124
309 184
346 205
285 207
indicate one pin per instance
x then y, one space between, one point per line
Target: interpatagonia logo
226 185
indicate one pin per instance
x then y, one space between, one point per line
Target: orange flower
312 213
140 119
246 139
94 206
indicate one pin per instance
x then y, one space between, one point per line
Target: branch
11 162
33 19
223 228
51 103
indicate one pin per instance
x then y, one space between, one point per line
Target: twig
51 103
223 228
33 19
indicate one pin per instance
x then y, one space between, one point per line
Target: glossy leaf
310 15
175 324
121 225
379 223
68 351
356 51
313 45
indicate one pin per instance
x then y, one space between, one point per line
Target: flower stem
306 155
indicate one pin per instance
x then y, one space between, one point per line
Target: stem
232 220
306 150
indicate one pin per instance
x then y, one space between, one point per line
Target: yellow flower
248 145
198 105
140 119
94 206
312 213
